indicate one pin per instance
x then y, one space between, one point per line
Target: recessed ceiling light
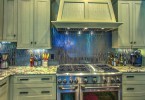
92 32
66 32
85 28
68 28
79 32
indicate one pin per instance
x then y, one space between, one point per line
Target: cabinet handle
24 79
3 84
129 76
14 35
45 92
24 92
31 42
131 42
130 88
134 42
35 42
45 78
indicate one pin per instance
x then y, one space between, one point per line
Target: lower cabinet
34 87
133 86
4 89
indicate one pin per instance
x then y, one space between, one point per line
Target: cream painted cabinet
133 86
33 24
33 87
1 19
10 20
131 32
4 89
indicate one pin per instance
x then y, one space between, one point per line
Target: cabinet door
25 24
138 23
42 24
1 19
125 30
10 20
3 90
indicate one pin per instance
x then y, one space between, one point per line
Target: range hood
88 14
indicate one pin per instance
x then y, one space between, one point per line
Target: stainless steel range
85 81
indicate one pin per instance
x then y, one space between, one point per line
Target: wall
66 48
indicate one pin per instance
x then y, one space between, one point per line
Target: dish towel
91 96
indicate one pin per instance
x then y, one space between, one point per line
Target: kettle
136 58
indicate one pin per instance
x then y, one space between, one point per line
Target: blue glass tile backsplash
67 47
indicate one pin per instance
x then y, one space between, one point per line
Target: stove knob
105 80
118 80
113 80
64 81
76 81
59 81
70 81
85 80
94 80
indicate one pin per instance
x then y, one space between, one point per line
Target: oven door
100 92
68 92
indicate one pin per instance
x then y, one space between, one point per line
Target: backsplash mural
68 47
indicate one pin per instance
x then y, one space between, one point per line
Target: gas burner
73 68
106 68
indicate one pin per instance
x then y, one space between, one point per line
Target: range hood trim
86 24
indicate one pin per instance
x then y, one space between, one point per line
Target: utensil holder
44 63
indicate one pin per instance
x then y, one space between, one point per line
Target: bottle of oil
31 60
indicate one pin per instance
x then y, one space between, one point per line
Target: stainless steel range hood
94 14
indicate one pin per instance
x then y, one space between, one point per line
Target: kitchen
76 37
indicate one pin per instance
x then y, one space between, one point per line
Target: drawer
29 90
133 90
34 79
134 98
133 77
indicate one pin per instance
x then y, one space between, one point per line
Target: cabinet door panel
10 20
4 89
125 30
42 24
139 23
1 18
25 24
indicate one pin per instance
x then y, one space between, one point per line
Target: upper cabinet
1 18
10 20
131 33
33 24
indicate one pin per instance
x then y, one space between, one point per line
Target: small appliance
4 61
136 58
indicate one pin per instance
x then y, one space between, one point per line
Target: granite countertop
128 68
24 70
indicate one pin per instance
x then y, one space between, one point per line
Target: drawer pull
3 84
130 88
24 92
24 79
45 92
45 78
130 76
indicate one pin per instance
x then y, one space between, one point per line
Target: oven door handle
84 87
71 88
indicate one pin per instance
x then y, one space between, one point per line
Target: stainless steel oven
100 92
68 92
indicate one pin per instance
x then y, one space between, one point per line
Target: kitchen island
39 83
